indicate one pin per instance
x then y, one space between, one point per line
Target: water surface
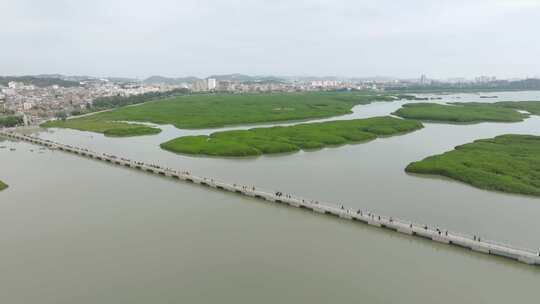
80 231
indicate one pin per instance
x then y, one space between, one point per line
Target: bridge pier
529 260
405 230
319 210
480 248
374 223
346 216
259 196
293 203
440 239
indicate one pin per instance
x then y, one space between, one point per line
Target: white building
212 84
14 85
27 106
485 79
200 86
325 83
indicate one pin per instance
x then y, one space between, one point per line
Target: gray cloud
319 37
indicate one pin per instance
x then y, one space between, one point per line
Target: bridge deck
435 234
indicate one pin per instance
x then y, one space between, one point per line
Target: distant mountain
122 79
375 78
64 77
59 76
247 78
169 80
232 77
39 81
79 78
337 78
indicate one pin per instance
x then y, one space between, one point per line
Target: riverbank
507 163
274 140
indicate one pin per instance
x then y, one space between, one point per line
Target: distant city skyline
344 38
265 77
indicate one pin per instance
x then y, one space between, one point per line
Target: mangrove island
218 110
259 141
508 163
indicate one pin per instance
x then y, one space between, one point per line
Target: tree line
104 103
11 121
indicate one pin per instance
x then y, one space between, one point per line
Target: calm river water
80 231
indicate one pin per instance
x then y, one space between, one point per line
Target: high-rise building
485 79
200 86
212 84
27 106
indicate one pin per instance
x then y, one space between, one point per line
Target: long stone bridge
473 243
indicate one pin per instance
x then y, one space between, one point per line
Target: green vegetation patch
509 163
108 128
9 121
218 110
460 112
104 103
532 107
290 138
3 186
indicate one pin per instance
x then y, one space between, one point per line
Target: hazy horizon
343 38
284 77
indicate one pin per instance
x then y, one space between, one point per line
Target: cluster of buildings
302 85
228 86
485 79
37 103
204 85
40 103
424 81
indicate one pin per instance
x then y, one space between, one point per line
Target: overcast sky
403 38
